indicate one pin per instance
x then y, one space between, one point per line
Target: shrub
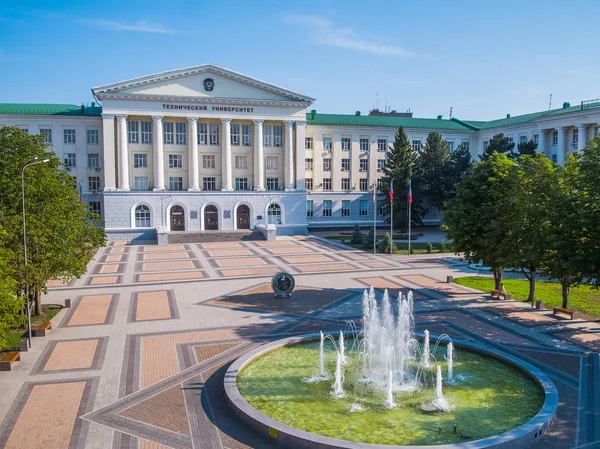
368 240
357 236
429 247
386 243
443 247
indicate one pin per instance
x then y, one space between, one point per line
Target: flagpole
374 221
409 209
392 218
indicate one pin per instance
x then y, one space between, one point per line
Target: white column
300 155
560 147
581 136
541 141
108 136
259 157
159 158
193 178
123 153
289 156
226 169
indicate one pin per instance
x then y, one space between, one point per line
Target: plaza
138 359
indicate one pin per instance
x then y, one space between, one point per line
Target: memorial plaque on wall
259 217
226 214
193 214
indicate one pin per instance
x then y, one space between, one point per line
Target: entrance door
177 218
211 218
243 217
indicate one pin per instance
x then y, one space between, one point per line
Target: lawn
12 337
584 298
418 247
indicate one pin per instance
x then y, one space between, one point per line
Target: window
308 143
345 164
327 143
308 164
380 165
416 144
327 164
141 183
140 160
364 164
241 183
267 131
142 216
345 208
146 133
486 144
555 137
345 183
246 135
596 131
70 160
272 183
378 183
466 145
214 133
241 162
92 137
208 183
93 160
95 207
274 214
94 183
522 139
47 133
69 136
168 133
450 145
536 139
381 144
208 161
346 142
554 158
309 183
510 140
175 183
175 161
202 133
277 136
326 183
575 137
272 163
327 208
235 134
25 129
364 144
309 208
364 184
363 208
181 134
132 131
381 207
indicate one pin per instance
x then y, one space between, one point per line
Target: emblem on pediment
209 84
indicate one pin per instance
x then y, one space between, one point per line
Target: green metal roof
49 109
382 121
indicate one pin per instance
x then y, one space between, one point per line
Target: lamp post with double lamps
34 161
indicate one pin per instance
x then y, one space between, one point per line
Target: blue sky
483 58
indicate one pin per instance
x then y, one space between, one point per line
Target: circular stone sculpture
283 284
520 436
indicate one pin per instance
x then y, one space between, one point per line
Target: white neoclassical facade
206 148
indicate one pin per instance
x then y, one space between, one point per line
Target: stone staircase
215 236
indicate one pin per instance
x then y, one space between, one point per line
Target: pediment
190 83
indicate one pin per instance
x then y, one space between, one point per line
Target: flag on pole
374 194
410 192
80 193
392 192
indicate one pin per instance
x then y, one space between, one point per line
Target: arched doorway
177 218
274 214
211 218
243 217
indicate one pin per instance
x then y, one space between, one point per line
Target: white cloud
117 25
326 33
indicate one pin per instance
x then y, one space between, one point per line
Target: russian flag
410 192
391 192
80 193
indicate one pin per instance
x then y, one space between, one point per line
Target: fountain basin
288 436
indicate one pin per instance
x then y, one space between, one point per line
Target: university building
206 148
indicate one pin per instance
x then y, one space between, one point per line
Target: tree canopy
499 143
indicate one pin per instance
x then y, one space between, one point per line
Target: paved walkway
138 361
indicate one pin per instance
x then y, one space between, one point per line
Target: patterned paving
138 362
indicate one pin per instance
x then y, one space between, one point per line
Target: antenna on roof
550 105
450 111
377 102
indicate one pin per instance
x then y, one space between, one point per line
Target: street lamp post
34 161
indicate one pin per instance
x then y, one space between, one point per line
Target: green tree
386 244
479 217
498 144
429 180
11 305
460 161
62 234
357 235
368 240
401 159
527 148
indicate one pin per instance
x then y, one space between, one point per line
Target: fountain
383 375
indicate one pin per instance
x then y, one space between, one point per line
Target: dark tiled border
190 253
139 266
120 268
241 245
80 429
252 250
103 258
186 247
109 251
133 303
221 275
110 314
136 277
97 361
215 262
89 280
